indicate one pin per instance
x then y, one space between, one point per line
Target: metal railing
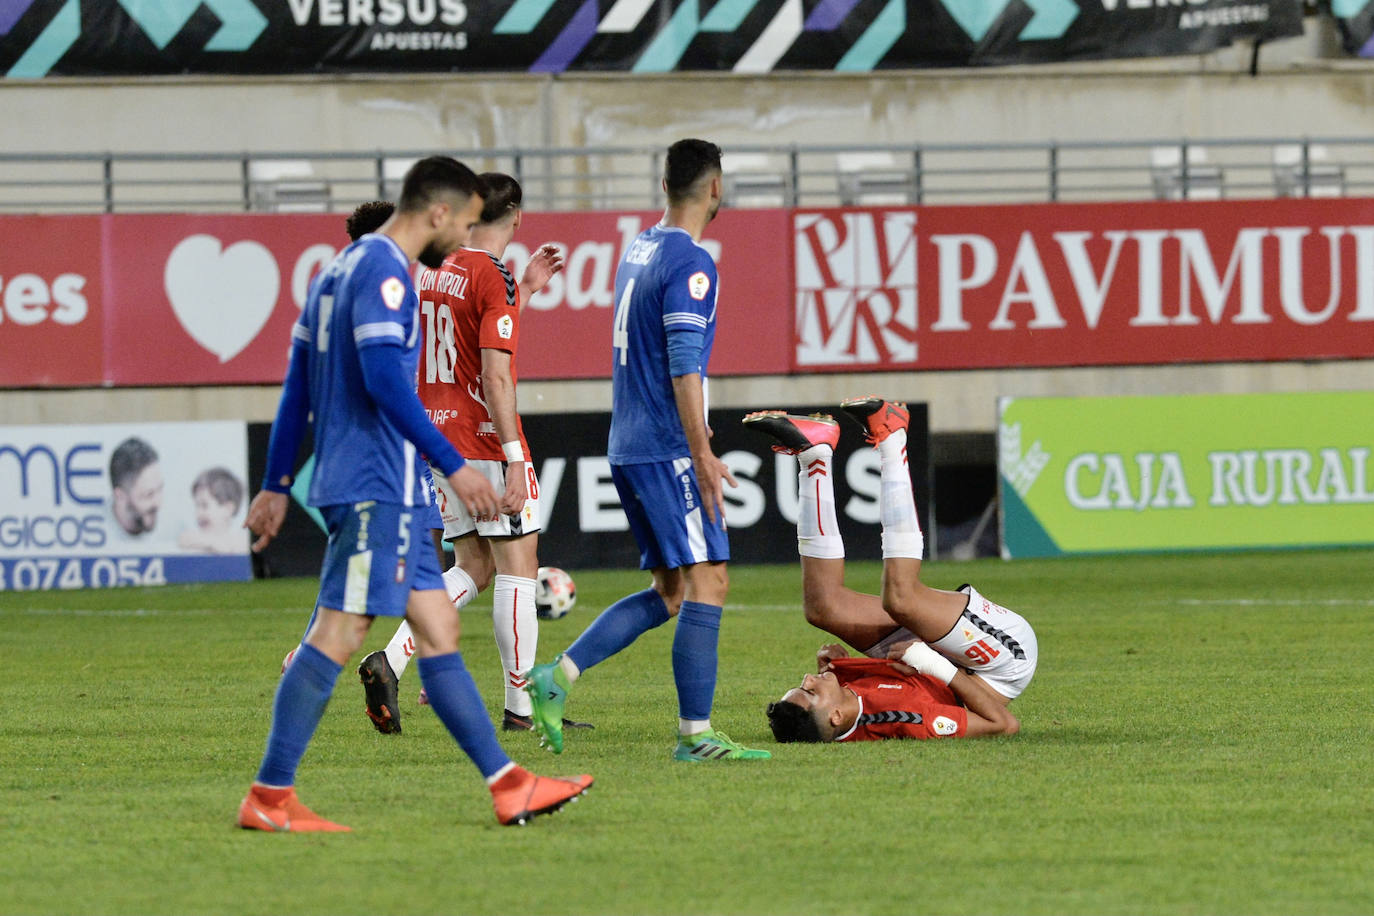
600 178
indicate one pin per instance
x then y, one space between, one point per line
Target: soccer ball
554 593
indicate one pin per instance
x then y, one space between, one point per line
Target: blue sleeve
689 305
684 349
293 412
394 394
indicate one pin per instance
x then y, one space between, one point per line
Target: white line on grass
1275 602
123 612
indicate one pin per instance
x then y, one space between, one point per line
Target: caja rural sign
1099 475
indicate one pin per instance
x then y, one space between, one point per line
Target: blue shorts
378 553
433 517
663 504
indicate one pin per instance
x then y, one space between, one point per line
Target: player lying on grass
929 629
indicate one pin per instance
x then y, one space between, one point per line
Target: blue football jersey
365 297
664 280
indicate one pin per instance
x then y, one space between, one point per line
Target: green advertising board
1186 472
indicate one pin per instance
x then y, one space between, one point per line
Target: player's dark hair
433 177
687 162
129 459
791 722
368 217
222 484
503 195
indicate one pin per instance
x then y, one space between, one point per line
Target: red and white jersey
897 705
469 304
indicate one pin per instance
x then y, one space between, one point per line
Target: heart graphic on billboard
222 296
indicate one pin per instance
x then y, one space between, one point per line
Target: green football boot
714 745
548 689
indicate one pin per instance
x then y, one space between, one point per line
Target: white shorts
994 643
457 520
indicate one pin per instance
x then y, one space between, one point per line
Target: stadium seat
874 179
751 180
394 170
1203 180
1323 177
287 186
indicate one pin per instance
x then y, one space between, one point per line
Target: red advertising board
51 303
1084 284
174 299
566 330
209 300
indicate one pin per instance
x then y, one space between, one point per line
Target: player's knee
818 602
340 637
708 583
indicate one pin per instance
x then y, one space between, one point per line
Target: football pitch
1197 740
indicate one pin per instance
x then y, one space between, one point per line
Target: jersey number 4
620 337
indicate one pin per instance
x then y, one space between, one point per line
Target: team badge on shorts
400 571
698 285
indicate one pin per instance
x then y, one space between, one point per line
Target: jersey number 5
620 337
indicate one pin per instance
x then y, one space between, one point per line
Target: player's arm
394 394
546 261
710 470
267 511
986 713
689 302
498 387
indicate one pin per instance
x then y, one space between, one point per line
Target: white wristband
513 450
927 661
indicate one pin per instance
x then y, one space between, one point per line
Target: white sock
516 627
689 727
400 649
818 529
459 586
896 506
570 668
461 589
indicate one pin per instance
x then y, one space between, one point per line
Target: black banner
110 37
587 530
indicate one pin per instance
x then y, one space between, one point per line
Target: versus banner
99 37
1101 475
1355 22
122 504
585 527
179 299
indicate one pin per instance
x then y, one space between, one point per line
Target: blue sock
302 695
618 626
454 697
694 659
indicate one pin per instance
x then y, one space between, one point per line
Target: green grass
1197 740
